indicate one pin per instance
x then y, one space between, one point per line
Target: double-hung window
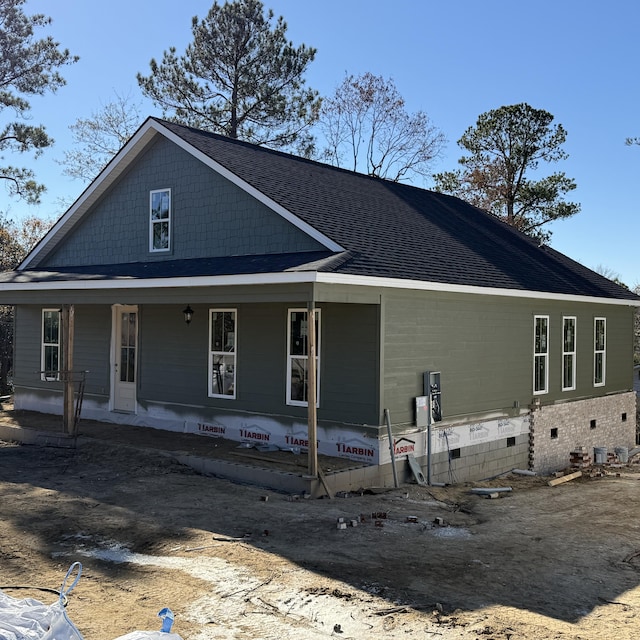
160 220
222 353
599 351
541 354
568 353
50 349
298 357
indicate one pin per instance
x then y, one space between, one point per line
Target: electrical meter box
422 412
433 391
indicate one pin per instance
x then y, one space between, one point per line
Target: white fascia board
297 277
252 191
419 285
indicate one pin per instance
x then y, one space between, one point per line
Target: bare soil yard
233 561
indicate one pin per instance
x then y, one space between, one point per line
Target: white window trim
598 351
152 222
43 344
213 353
302 403
570 353
544 355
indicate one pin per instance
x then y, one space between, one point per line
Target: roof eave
297 277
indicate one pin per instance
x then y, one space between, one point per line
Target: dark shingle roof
192 268
400 231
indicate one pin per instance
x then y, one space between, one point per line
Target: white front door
124 350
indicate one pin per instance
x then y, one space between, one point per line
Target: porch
272 468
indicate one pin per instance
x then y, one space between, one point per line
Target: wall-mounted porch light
188 314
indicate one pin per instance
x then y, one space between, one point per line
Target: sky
453 59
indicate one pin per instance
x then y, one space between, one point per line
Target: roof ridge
284 154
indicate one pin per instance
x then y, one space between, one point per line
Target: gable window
298 357
568 353
599 351
50 351
160 220
541 354
222 353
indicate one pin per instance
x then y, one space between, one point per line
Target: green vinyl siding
92 350
173 360
467 339
27 343
350 363
92 339
483 347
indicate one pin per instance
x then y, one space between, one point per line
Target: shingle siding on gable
210 217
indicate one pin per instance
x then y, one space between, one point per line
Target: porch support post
68 322
311 390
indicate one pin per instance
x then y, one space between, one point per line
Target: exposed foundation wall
469 452
480 461
458 453
476 462
558 429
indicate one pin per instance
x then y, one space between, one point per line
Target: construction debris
567 478
416 470
485 490
343 524
579 458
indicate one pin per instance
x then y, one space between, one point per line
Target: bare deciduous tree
368 129
98 138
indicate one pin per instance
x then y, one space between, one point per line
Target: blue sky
454 60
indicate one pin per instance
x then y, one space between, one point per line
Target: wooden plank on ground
571 476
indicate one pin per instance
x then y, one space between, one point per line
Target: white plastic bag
164 634
150 635
29 619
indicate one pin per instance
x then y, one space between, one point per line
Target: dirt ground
234 561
